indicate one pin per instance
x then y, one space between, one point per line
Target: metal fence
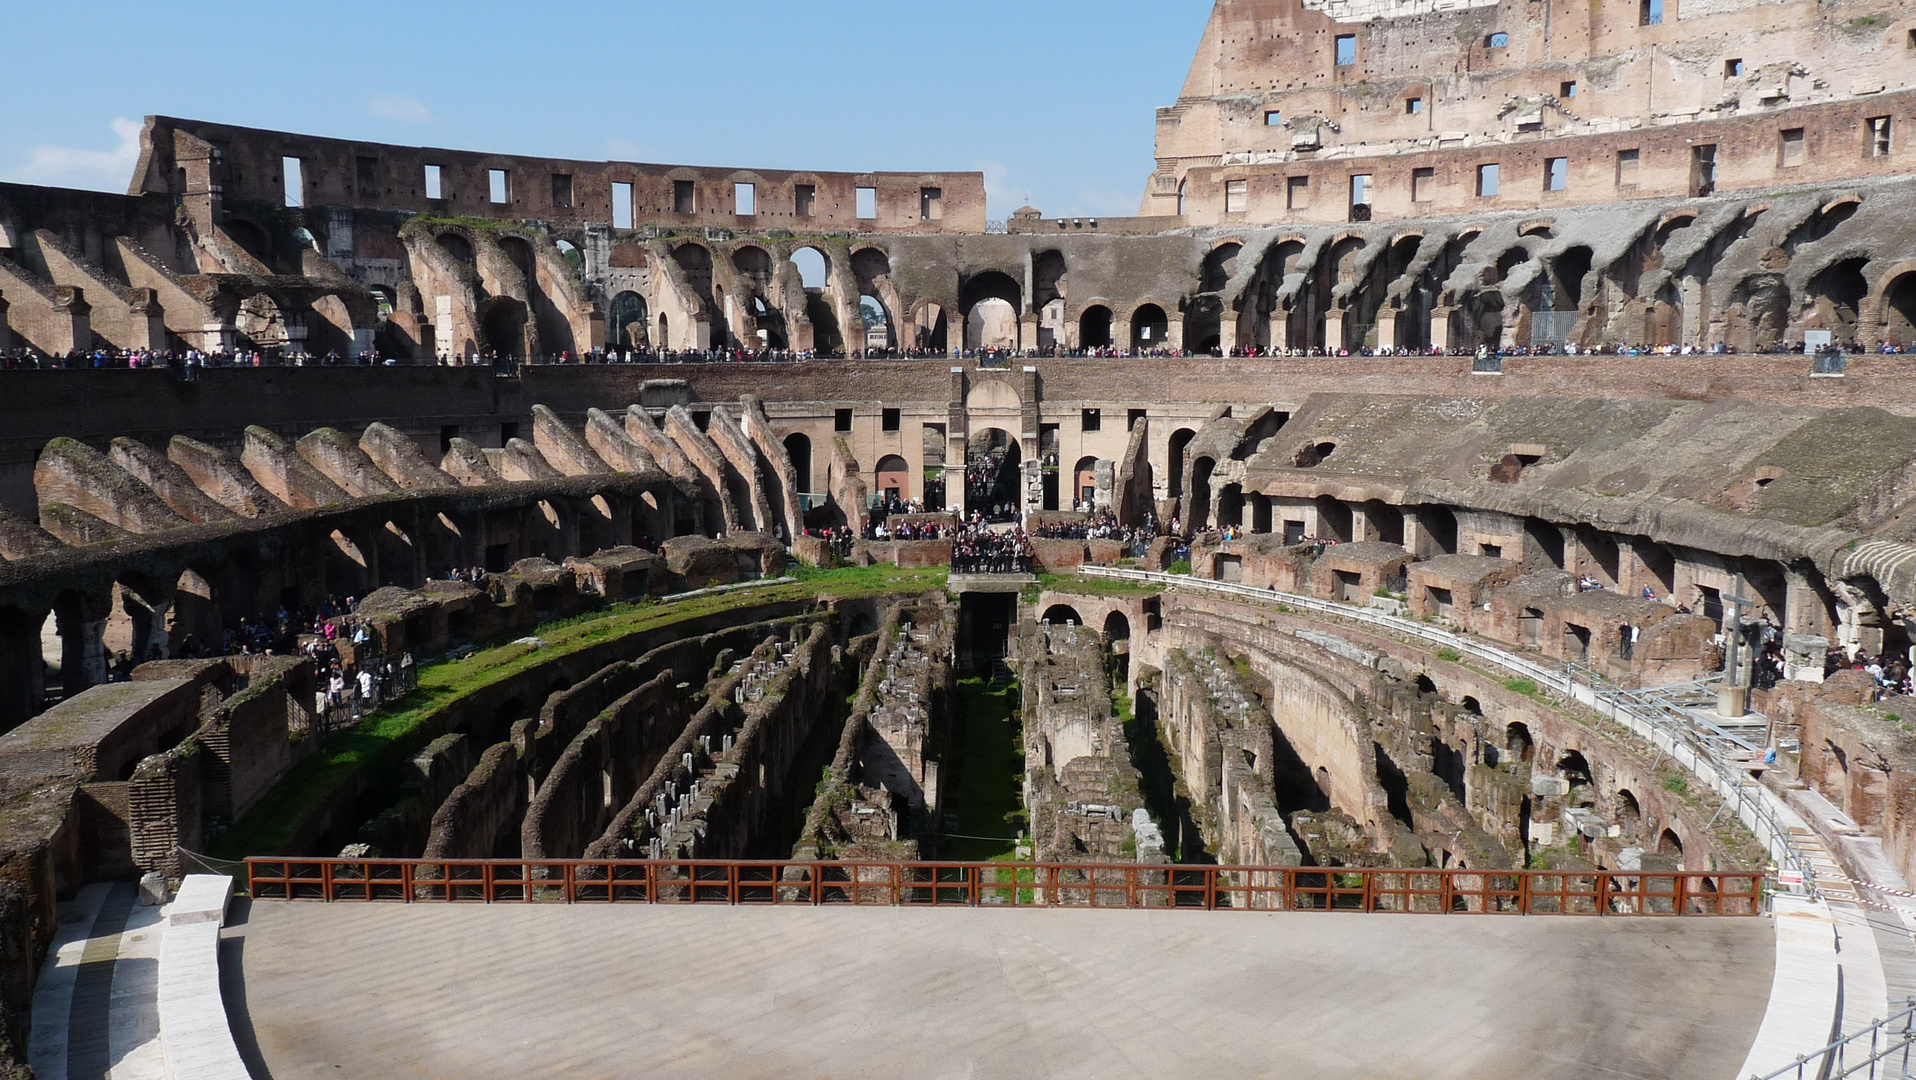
958 884
1881 1051
1665 730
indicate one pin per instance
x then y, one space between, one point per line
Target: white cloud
68 166
399 107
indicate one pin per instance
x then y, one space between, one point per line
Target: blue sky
1051 99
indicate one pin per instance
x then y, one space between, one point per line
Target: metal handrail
1891 1043
1421 890
1669 734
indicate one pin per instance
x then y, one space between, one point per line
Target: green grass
389 734
986 797
1091 586
1526 687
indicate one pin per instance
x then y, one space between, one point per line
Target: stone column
1174 332
1387 328
1440 327
1227 332
1361 527
1416 539
1804 611
1334 329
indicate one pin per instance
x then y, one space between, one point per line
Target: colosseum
447 597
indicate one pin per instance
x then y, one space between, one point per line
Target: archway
1084 483
992 474
1094 327
892 479
503 327
1899 311
798 447
1200 515
814 270
879 331
628 321
1629 814
1059 614
1836 295
1218 267
928 328
1117 638
1174 462
1518 742
1150 328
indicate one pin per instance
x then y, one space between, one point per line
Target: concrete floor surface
420 991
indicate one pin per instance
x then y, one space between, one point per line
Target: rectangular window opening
890 419
1422 181
367 170
1650 13
1346 50
867 203
621 205
1132 418
1297 193
685 197
1627 167
295 172
1237 194
1703 170
1878 128
1360 189
1556 174
1091 420
434 190
1733 69
931 204
1789 147
1487 178
804 199
1273 118
1567 90
1498 40
1413 106
841 420
562 191
744 200
499 185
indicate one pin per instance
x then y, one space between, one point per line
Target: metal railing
1668 731
1885 1048
993 884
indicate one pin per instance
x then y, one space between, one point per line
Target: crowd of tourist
186 363
981 549
1890 672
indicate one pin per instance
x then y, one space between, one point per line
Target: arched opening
813 269
991 475
1203 325
1084 484
1150 328
1218 268
892 479
504 328
1519 744
1471 705
929 330
1426 685
250 237
798 447
1060 614
1572 766
1260 512
1671 844
1899 310
1094 327
1230 507
519 253
1174 462
879 332
457 247
1201 469
1836 296
990 303
1629 814
627 321
135 627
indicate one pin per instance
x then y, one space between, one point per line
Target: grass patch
1526 687
986 796
390 733
1092 586
1449 655
1677 784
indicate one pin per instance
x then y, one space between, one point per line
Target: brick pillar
1281 330
1334 329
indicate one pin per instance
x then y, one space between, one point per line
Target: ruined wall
1323 91
881 797
1080 785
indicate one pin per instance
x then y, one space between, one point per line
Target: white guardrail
1756 806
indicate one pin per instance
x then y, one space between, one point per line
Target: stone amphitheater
1492 448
